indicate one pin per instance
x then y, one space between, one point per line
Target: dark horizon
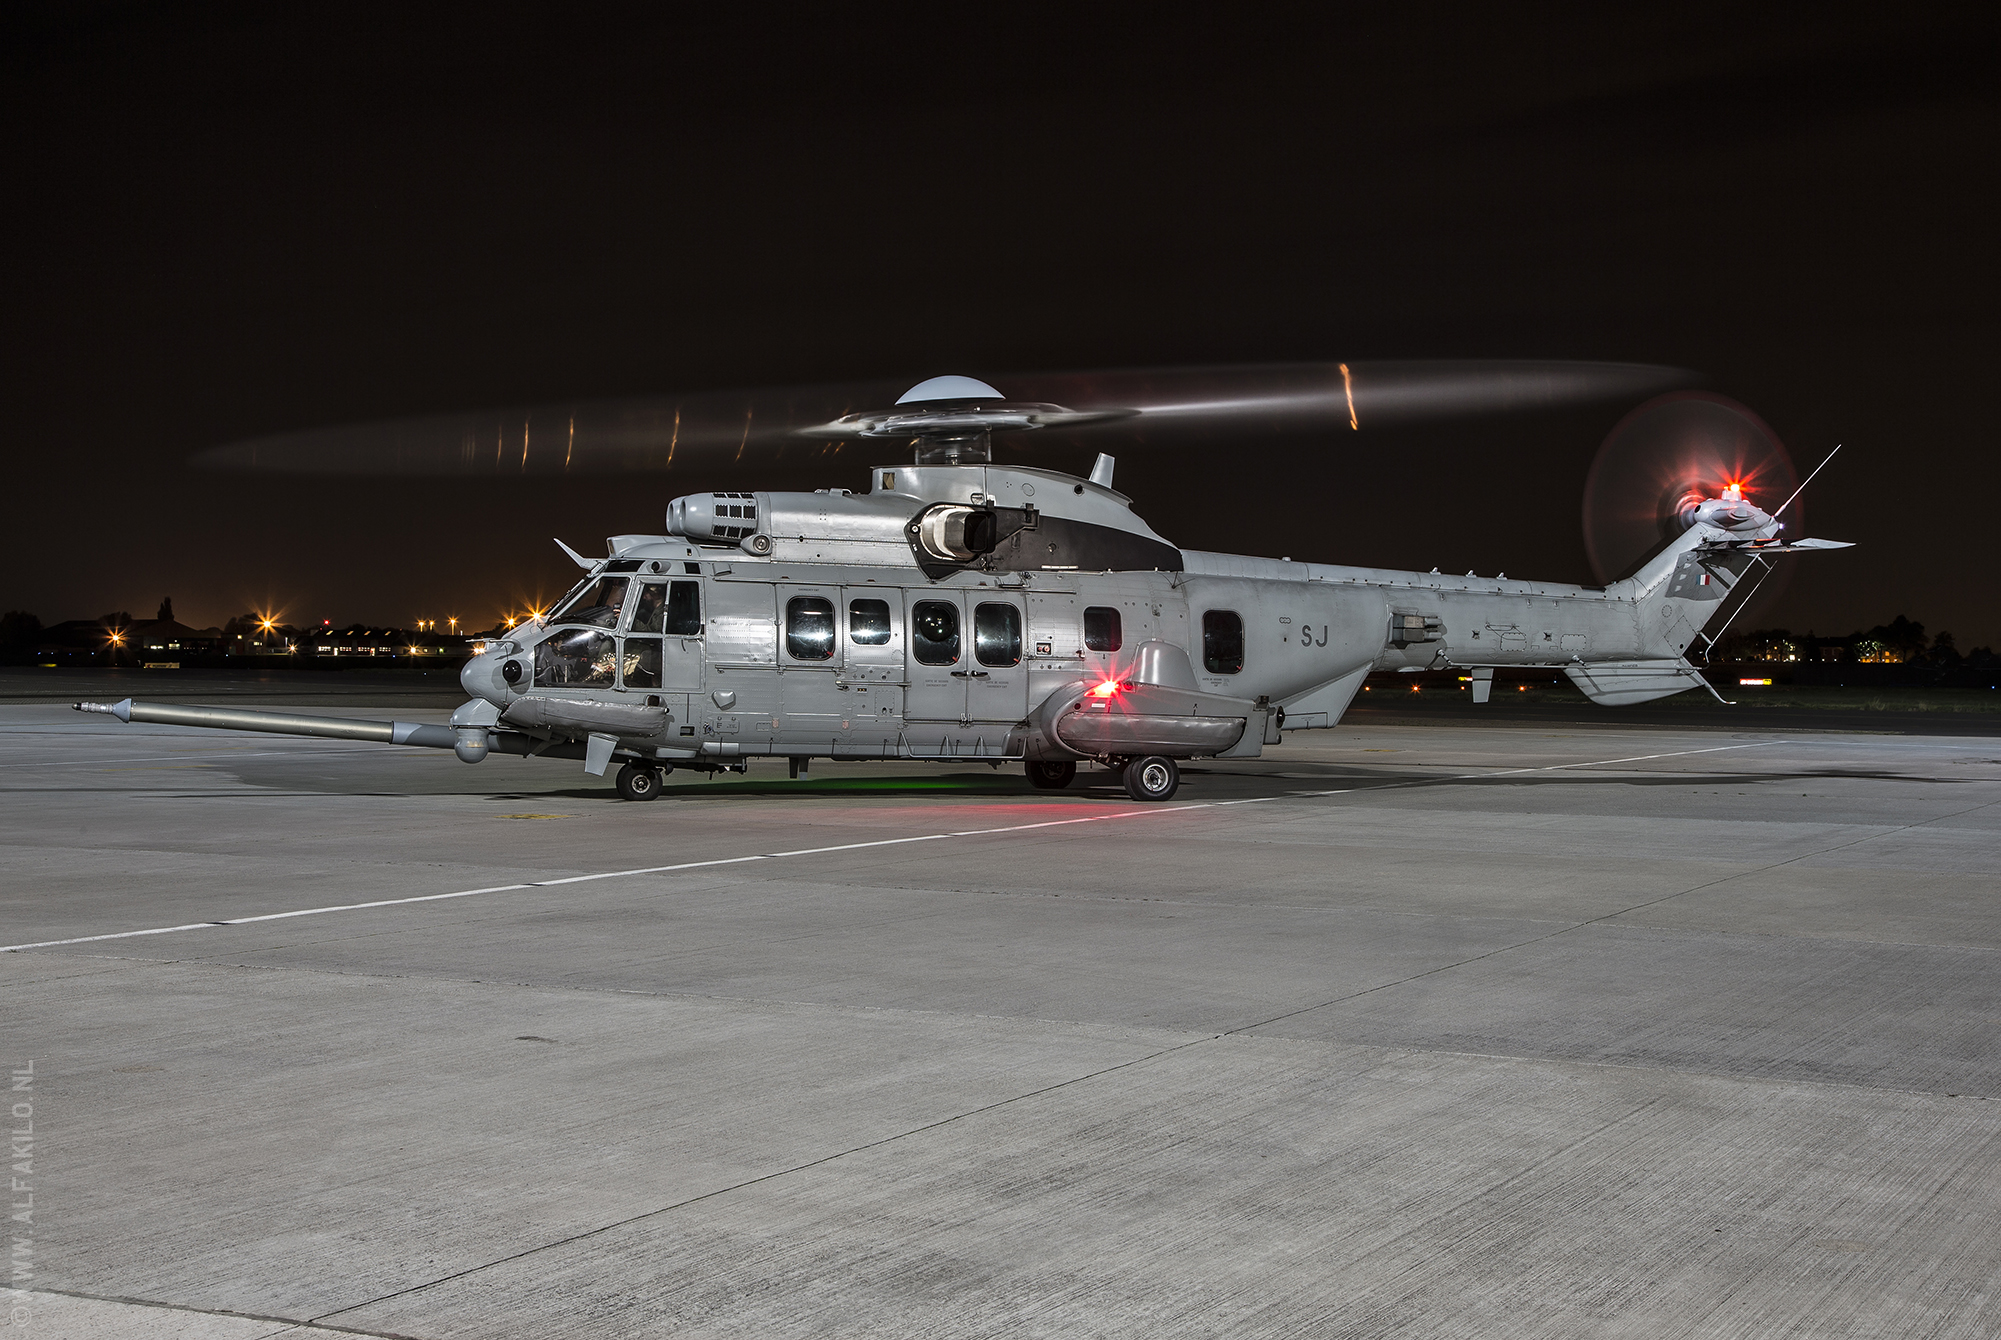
240 221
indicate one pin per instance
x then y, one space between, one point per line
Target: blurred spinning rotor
1133 410
1675 450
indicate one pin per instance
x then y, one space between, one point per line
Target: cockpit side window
649 607
597 606
569 598
577 657
640 663
684 609
674 608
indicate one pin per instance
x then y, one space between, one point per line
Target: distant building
168 642
167 639
368 640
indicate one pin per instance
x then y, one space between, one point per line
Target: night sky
231 221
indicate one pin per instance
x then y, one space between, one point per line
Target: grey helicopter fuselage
985 612
961 610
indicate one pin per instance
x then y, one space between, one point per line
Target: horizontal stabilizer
1769 546
1623 683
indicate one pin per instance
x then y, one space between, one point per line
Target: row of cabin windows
935 637
581 658
809 626
809 630
934 632
675 609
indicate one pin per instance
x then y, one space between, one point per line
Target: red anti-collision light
1106 689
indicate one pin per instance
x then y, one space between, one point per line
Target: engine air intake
728 517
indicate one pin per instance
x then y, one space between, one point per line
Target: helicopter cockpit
598 605
584 647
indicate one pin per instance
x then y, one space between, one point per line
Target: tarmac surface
1464 1026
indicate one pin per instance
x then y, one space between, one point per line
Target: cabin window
809 628
577 657
868 622
597 605
639 663
934 632
1101 628
997 634
1222 642
668 607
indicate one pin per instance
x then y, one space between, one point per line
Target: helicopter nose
493 675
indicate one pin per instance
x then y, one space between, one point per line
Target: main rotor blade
1347 395
774 426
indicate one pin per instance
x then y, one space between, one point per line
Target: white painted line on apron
1151 811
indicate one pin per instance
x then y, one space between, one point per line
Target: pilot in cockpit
602 611
646 610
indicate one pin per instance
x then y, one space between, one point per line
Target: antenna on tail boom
1808 480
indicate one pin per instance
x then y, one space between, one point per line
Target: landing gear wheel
637 782
1152 778
1051 776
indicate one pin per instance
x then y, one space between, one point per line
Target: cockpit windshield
597 605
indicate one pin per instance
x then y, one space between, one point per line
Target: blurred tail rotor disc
1683 446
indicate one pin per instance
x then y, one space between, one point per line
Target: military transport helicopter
964 610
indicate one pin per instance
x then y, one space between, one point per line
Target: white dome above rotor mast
949 388
950 420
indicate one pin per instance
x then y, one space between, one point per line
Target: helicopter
965 610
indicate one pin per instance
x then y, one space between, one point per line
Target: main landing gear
1152 778
1052 776
1149 778
638 782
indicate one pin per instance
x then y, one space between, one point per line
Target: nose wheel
1152 778
638 783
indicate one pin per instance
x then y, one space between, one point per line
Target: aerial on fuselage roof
962 610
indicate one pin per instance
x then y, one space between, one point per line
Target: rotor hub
952 420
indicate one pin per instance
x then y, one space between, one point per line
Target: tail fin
1683 588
